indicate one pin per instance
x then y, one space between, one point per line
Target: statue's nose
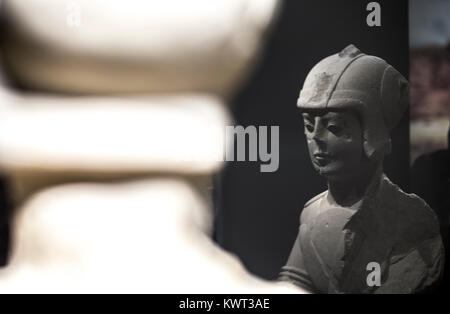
318 134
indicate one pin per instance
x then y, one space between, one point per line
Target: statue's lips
322 159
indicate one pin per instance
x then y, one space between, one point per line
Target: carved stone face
335 143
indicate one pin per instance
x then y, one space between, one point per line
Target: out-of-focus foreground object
112 192
115 46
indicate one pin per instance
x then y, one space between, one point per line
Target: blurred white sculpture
112 193
115 46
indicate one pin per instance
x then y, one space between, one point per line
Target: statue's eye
309 127
335 129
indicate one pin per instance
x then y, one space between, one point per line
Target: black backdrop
257 214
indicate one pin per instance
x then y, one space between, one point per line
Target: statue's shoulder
416 219
311 208
418 244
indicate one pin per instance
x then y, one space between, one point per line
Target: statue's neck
350 192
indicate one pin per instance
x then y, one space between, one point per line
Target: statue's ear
376 150
368 149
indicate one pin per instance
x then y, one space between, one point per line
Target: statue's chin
334 173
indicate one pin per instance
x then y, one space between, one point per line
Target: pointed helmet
367 85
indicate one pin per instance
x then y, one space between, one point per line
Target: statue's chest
339 248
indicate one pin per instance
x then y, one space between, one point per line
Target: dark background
257 214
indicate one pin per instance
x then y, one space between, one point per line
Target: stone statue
364 234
